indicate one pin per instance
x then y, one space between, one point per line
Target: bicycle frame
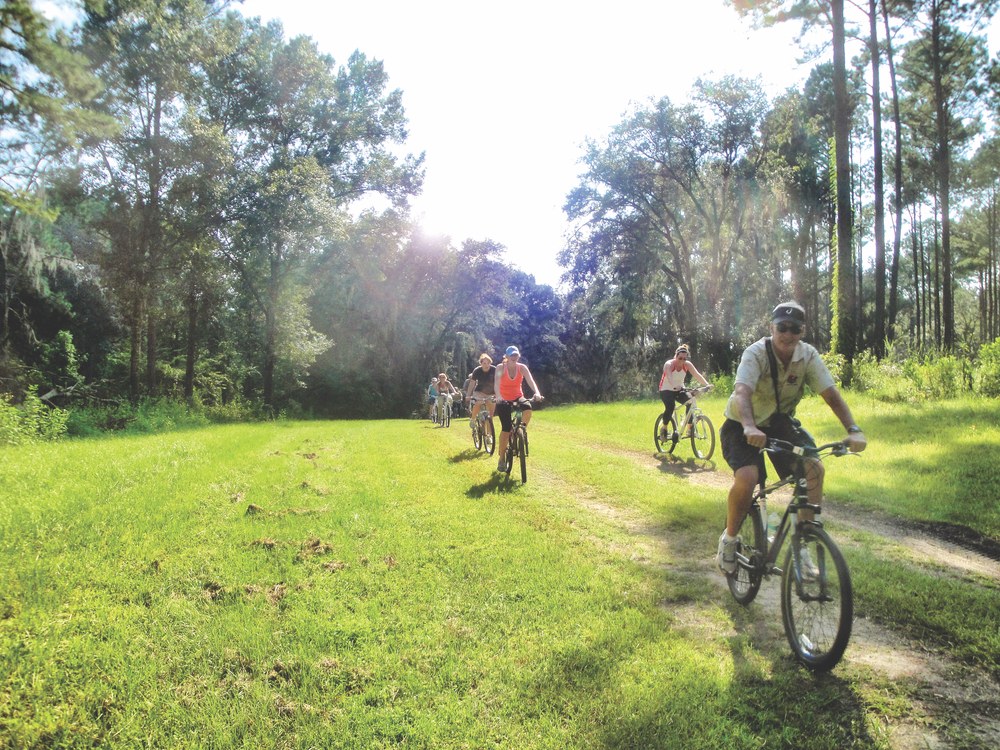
694 411
443 403
800 501
479 426
484 410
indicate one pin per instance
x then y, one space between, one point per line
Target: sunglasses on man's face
786 327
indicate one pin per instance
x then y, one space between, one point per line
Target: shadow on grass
497 483
469 454
682 467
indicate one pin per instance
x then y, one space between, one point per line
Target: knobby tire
522 453
817 614
489 438
702 437
745 582
668 443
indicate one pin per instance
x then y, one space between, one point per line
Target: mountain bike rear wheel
745 582
817 608
702 437
665 434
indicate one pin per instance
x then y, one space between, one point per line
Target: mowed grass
376 584
938 462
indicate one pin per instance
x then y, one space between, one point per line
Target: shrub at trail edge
31 422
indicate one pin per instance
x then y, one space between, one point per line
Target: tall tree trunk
937 278
990 321
7 274
879 334
897 171
917 296
151 346
942 118
135 348
269 360
192 333
271 326
845 335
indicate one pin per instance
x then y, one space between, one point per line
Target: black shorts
739 453
504 409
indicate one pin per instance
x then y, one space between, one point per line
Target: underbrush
916 378
30 421
159 415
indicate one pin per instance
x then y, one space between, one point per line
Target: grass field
376 584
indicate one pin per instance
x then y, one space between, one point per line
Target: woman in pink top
672 382
507 387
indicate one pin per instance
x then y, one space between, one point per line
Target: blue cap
512 350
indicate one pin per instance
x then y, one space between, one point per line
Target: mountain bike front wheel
745 582
702 437
489 438
511 452
817 600
477 434
522 453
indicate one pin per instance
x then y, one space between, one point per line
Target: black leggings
671 399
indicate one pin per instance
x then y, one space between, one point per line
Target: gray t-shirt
806 368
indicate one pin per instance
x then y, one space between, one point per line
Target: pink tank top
510 388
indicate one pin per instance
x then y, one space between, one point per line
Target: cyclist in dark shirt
481 386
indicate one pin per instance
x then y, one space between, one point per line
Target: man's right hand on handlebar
755 436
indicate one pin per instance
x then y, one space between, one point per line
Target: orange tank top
510 388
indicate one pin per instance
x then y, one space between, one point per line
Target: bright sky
502 97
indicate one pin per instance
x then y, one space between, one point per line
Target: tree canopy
181 192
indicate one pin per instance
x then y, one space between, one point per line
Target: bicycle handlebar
699 389
536 397
839 448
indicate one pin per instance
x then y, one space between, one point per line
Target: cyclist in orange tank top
508 381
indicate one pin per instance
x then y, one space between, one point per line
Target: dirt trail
949 700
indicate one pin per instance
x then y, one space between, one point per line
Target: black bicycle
482 429
517 446
817 601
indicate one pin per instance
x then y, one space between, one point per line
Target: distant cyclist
432 396
446 389
675 371
481 387
507 385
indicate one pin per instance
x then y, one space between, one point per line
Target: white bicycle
696 425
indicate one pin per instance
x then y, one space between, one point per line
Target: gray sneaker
806 565
726 557
501 466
